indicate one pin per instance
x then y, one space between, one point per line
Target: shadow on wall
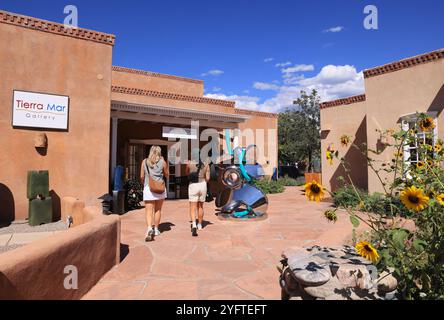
437 104
7 205
356 160
56 206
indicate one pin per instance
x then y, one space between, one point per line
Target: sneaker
156 232
194 231
149 235
199 226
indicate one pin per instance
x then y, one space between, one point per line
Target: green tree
299 131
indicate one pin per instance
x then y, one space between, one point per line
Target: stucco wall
336 121
158 82
419 88
77 160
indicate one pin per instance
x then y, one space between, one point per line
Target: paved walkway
228 260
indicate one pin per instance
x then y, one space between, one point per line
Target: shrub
269 186
290 182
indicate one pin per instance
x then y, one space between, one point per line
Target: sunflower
399 154
345 140
420 165
314 191
437 148
440 199
427 124
430 163
414 199
366 250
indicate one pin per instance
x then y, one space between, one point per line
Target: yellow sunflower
440 199
427 124
437 148
399 154
420 165
366 250
414 199
345 140
314 191
430 163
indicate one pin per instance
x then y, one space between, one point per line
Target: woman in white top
155 167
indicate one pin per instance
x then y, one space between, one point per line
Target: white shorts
197 192
150 196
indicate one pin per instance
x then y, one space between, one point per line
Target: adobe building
59 84
394 93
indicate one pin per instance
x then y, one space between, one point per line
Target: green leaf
419 245
399 237
354 221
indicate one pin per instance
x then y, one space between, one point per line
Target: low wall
37 271
76 209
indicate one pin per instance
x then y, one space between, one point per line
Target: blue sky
259 53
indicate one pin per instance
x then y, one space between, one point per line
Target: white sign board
179 133
38 110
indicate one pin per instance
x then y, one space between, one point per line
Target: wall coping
155 74
343 101
257 113
55 28
405 63
173 96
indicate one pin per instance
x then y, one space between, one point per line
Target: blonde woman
153 172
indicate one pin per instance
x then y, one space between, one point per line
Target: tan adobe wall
132 78
37 271
78 160
267 138
337 120
390 95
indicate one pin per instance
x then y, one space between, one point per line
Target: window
411 154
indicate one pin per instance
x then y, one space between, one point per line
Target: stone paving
228 260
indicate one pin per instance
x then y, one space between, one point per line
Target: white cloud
212 72
334 29
298 68
268 59
265 86
332 82
282 64
216 89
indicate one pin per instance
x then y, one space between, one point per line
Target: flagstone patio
228 260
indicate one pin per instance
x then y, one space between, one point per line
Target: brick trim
343 101
55 28
173 96
155 74
256 113
405 63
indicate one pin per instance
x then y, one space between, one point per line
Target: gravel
23 227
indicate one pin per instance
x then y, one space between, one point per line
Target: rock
312 275
352 276
386 282
326 290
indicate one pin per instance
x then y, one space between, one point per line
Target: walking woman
199 175
153 172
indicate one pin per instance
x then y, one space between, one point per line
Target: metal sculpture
237 196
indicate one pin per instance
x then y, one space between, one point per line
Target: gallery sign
39 110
